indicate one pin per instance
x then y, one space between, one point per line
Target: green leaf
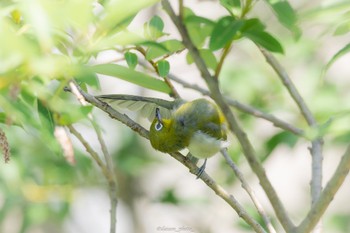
265 40
208 57
230 3
199 20
169 196
336 56
132 76
156 26
163 68
199 28
224 31
342 29
168 47
120 13
285 138
46 117
253 24
131 59
286 15
87 77
157 23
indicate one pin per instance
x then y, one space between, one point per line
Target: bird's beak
158 116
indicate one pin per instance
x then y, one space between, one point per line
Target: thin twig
327 195
316 144
112 184
222 59
183 159
247 148
249 190
90 151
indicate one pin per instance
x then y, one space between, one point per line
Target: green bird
198 125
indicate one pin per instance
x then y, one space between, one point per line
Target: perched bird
198 125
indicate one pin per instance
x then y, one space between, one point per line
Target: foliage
41 52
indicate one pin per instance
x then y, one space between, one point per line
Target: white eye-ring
158 126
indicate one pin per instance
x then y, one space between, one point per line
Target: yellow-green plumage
197 125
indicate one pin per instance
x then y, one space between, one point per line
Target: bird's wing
145 106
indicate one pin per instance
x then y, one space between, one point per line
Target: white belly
203 146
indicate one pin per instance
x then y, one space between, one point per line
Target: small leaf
252 24
157 23
132 76
199 20
285 138
208 57
46 117
342 29
131 59
265 40
224 32
154 29
87 77
167 47
163 68
286 15
198 31
338 55
230 3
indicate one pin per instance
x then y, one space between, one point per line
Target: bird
198 125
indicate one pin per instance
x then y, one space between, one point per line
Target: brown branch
247 148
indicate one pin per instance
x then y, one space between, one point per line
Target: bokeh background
41 192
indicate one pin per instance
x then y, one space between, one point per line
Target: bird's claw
201 169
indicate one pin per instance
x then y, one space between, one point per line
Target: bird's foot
201 169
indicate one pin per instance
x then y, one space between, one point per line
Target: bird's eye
158 126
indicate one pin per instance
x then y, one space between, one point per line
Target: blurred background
41 192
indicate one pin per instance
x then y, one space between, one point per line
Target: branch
327 195
91 151
247 148
316 148
182 159
222 59
287 82
248 189
112 180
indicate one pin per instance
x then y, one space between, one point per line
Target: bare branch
316 148
90 151
249 190
112 184
327 195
